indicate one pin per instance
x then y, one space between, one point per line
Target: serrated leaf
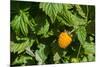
81 33
70 19
24 23
16 23
44 29
21 23
68 6
56 57
89 48
22 59
29 51
32 24
80 11
20 47
40 54
51 9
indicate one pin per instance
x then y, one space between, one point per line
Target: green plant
35 28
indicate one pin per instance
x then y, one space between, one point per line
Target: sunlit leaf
22 59
91 57
56 57
84 59
29 51
40 54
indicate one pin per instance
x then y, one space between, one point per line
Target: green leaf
56 57
24 27
20 47
74 60
51 9
81 33
68 18
21 23
68 6
84 59
89 48
91 57
29 52
80 11
16 24
32 24
44 29
23 59
40 54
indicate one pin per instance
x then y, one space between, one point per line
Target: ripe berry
64 40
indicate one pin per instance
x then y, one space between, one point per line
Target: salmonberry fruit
64 40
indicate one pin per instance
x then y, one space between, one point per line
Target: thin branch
87 14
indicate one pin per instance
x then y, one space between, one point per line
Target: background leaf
81 33
51 9
23 59
40 54
20 47
89 48
20 23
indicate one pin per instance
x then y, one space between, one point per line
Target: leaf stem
78 51
73 30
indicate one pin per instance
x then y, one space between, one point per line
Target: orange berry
64 40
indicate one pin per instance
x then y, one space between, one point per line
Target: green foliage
40 54
56 57
51 9
43 29
81 33
21 23
89 48
70 19
35 28
20 47
22 59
